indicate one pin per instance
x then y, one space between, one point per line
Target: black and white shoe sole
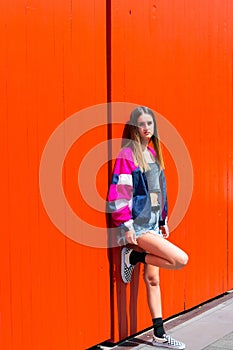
126 272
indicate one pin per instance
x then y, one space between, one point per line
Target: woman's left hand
165 231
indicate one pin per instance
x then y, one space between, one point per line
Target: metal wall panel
54 292
176 57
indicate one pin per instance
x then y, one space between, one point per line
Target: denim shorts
152 226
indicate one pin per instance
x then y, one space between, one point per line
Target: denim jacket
128 197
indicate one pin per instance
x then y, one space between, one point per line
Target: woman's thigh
158 246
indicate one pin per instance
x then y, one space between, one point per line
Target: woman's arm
163 206
163 199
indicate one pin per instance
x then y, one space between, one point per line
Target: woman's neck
148 155
144 145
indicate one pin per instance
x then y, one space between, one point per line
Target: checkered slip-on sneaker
167 342
126 267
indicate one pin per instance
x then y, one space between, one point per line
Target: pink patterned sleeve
121 189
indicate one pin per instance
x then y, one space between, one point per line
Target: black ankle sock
136 257
158 327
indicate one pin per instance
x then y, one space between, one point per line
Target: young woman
138 203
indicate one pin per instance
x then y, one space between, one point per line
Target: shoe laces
171 341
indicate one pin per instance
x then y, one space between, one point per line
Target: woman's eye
141 124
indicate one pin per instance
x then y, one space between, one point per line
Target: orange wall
176 57
172 55
53 63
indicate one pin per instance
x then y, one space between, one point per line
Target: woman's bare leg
162 253
151 277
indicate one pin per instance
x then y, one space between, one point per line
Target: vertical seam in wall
109 79
108 48
229 159
109 135
228 173
227 224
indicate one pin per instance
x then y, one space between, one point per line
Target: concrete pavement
209 327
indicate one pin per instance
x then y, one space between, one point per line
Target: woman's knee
181 260
152 280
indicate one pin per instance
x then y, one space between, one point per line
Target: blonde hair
135 140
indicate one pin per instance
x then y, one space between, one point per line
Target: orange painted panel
53 64
172 55
176 57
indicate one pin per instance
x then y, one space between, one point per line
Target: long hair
135 142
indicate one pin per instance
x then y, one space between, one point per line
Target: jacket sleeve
121 191
163 201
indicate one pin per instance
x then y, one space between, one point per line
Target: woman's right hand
131 237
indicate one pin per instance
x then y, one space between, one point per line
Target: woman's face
145 127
